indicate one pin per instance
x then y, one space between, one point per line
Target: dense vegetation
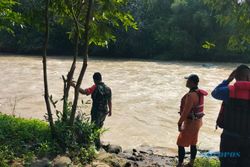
167 29
206 162
24 140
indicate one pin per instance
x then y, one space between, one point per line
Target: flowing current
146 96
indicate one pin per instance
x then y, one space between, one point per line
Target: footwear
190 164
179 165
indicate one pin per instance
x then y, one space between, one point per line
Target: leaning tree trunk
46 89
85 60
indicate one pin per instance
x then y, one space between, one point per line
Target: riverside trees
93 23
88 22
168 29
234 16
9 18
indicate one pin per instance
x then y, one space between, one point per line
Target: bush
19 137
79 140
207 162
6 154
27 139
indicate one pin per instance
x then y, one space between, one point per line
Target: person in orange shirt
190 121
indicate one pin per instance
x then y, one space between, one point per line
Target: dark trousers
234 150
98 119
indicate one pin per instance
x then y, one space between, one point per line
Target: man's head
97 77
192 81
242 73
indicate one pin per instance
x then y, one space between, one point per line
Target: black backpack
99 97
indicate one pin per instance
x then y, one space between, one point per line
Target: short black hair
242 71
242 68
194 78
97 77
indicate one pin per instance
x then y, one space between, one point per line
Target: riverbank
145 156
27 142
129 158
156 58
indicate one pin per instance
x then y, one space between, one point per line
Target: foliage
22 138
107 16
206 162
178 29
6 155
208 45
26 139
23 131
236 16
78 140
173 29
8 16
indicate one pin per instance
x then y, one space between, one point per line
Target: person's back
235 119
100 97
195 99
237 115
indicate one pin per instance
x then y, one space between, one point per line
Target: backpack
99 97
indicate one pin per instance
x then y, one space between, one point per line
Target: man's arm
110 107
87 91
221 92
90 90
187 108
109 97
83 91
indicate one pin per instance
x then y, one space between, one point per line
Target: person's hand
179 128
72 83
109 113
231 76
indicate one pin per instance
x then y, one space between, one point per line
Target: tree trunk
73 65
85 61
46 89
70 76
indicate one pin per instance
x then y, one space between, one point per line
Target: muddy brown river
146 96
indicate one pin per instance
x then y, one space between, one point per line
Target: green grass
207 162
23 139
23 130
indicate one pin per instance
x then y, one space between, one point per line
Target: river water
146 96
